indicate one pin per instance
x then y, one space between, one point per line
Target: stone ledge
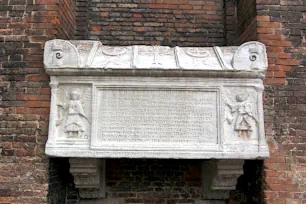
57 152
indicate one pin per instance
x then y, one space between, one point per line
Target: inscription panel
157 118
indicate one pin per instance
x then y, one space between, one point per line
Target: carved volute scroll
251 56
61 53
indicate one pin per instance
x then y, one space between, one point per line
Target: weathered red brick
275 81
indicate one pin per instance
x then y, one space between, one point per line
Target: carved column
220 177
53 113
262 143
89 177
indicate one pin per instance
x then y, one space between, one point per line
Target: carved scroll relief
251 56
61 53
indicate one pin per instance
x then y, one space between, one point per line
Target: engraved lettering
158 116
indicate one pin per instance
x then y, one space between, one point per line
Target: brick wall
160 22
81 32
24 27
67 17
282 27
246 21
153 181
230 22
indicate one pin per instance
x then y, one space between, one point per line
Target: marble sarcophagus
157 102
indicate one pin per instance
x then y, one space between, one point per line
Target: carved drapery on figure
156 102
241 112
72 118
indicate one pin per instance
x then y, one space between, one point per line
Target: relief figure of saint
74 125
244 116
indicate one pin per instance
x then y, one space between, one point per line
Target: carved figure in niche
74 125
75 116
242 114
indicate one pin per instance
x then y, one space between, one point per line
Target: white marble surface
92 54
156 102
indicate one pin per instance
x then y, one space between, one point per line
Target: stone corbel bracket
89 177
219 177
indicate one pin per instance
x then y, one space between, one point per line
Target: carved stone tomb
156 102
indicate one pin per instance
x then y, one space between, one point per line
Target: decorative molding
92 54
89 177
221 59
220 177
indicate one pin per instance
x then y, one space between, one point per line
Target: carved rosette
220 177
89 177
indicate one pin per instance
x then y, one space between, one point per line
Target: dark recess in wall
249 186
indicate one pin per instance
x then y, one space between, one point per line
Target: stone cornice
85 58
